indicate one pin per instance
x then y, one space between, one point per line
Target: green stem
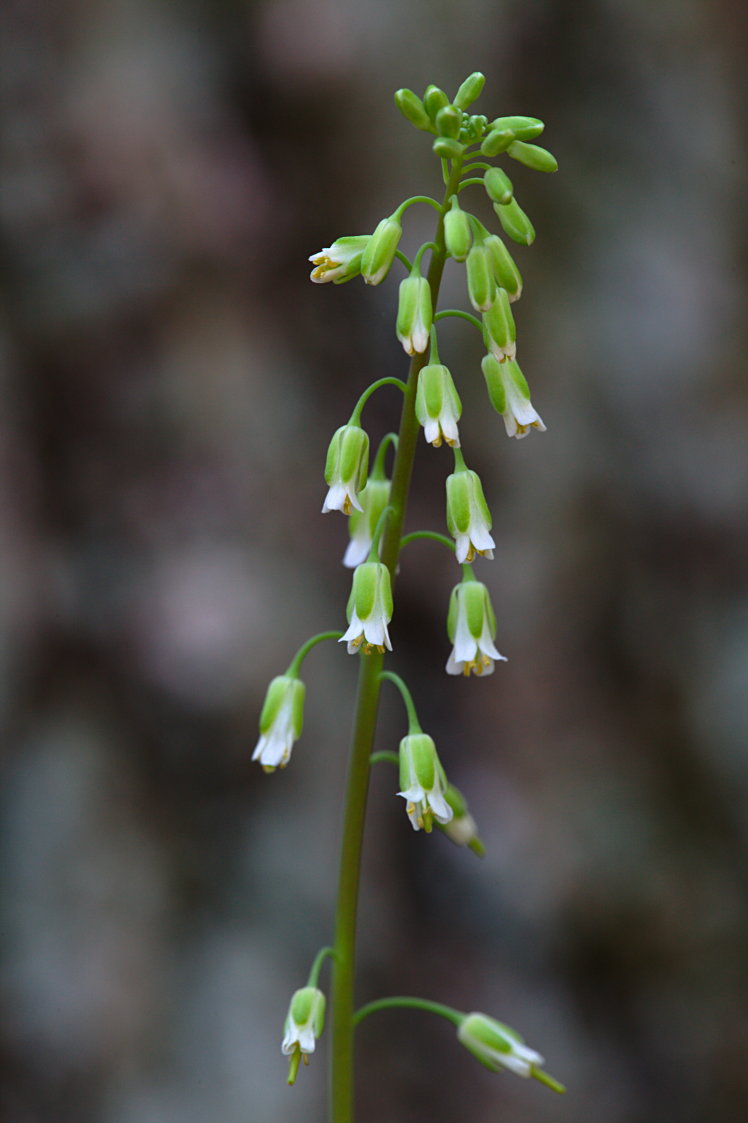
301 654
385 757
316 967
364 724
414 725
432 534
470 182
377 471
417 199
356 415
405 260
448 1012
460 315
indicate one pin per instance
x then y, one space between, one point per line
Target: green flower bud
438 405
346 468
510 396
304 1024
369 609
411 107
533 156
281 722
462 830
515 222
434 99
471 626
505 271
423 782
468 516
522 128
380 250
414 314
448 122
499 326
457 235
362 524
498 185
480 279
447 148
497 140
474 127
470 90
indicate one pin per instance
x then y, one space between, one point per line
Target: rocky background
170 382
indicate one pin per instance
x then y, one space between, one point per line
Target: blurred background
171 380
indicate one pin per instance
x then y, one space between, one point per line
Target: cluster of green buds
374 505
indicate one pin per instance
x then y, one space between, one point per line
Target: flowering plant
376 507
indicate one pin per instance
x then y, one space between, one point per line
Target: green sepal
448 122
499 324
480 279
498 185
532 156
412 109
512 371
470 90
457 234
504 267
497 140
380 250
459 494
522 128
491 368
434 99
515 222
447 148
369 579
277 695
414 313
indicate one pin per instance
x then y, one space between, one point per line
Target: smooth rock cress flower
281 722
471 626
369 609
423 782
510 396
339 262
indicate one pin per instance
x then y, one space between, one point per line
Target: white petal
357 551
441 809
431 430
453 666
462 547
480 536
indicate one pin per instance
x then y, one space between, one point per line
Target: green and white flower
471 626
362 524
339 262
281 722
369 609
304 1024
497 1046
346 469
423 782
438 405
510 396
468 517
380 250
414 314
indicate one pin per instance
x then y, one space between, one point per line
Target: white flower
510 396
438 405
497 1046
369 609
471 626
281 722
362 524
346 469
468 517
423 782
339 262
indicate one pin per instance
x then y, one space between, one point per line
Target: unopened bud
470 90
505 270
448 122
411 107
515 222
498 185
434 99
380 250
497 140
447 148
501 331
532 156
522 128
457 235
480 281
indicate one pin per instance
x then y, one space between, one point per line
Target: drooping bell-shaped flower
281 722
346 469
438 405
380 250
304 1024
471 626
414 314
510 396
468 517
369 609
497 1046
499 327
362 524
423 782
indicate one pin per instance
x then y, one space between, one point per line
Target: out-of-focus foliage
171 381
